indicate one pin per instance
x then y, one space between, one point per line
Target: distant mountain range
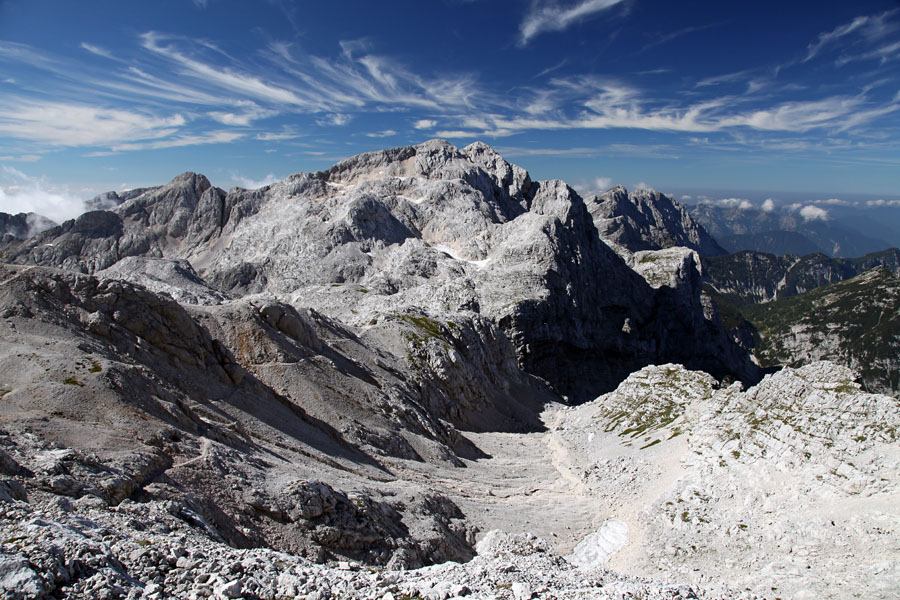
792 311
750 277
781 231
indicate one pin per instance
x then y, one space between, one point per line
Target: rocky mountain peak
647 220
303 369
427 229
22 226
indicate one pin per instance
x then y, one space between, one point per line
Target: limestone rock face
775 486
249 392
110 200
647 220
427 229
173 277
22 226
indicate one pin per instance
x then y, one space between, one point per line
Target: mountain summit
211 394
436 230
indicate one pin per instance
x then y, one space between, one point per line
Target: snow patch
596 548
478 264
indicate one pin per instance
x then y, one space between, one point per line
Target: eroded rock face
173 277
22 226
776 486
427 229
117 392
647 220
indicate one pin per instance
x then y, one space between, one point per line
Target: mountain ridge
757 277
320 386
487 239
781 231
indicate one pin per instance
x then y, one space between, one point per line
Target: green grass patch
431 327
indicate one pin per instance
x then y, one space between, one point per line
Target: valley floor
698 510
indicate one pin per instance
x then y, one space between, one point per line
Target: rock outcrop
22 226
427 229
125 394
151 550
774 489
647 220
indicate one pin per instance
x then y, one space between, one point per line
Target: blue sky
796 96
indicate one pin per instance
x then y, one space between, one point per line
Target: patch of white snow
478 264
596 548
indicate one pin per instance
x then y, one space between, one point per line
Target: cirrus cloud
69 124
551 16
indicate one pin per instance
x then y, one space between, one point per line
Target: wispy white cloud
381 134
249 112
595 103
835 202
882 54
726 78
97 50
21 157
64 124
768 205
277 136
881 202
544 16
23 53
242 83
594 187
798 116
603 183
206 84
674 35
870 28
176 71
642 150
214 137
451 134
338 119
738 203
20 192
551 68
254 184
